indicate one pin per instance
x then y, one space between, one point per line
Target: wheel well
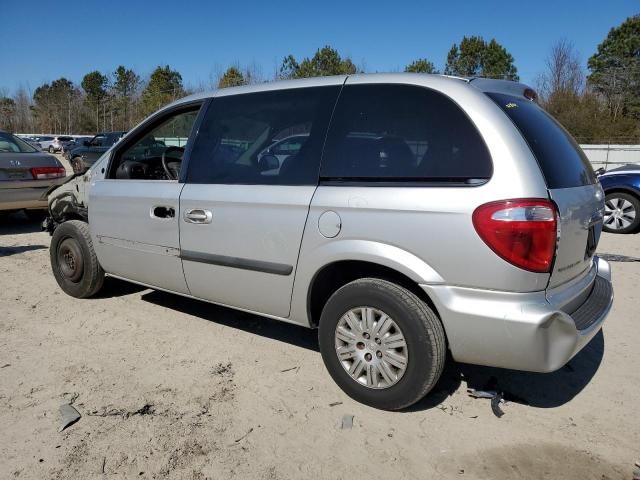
338 274
622 190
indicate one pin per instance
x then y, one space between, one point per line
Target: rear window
12 144
402 133
562 161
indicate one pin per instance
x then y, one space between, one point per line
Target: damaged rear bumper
538 331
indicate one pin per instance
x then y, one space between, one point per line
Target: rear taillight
522 231
42 173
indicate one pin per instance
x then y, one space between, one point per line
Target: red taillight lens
522 231
42 173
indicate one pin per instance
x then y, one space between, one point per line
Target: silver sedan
25 175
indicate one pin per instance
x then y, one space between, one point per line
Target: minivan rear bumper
534 331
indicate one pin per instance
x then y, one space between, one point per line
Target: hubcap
70 259
618 213
371 347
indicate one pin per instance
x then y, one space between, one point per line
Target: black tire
51 150
73 260
611 224
36 215
422 330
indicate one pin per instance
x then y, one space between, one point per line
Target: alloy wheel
619 213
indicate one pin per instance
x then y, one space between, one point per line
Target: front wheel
73 260
381 344
51 150
621 213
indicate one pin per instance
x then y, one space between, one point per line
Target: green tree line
601 106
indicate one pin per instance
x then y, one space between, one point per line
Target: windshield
12 144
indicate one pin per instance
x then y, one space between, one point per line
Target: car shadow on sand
14 250
17 223
263 326
540 390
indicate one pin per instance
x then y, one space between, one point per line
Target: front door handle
198 215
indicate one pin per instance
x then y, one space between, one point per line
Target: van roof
483 84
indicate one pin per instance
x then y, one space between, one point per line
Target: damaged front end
67 201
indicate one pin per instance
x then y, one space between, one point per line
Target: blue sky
42 41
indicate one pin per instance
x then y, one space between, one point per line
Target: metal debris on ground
495 405
347 422
490 394
495 397
244 436
290 368
69 416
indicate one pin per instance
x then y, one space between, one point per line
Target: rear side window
562 161
402 133
238 139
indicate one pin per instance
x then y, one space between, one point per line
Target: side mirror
268 162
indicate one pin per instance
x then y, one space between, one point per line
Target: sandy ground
174 388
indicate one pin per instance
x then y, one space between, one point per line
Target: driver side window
156 152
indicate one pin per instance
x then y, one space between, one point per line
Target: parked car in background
45 141
622 199
56 144
421 214
85 154
69 145
25 176
33 142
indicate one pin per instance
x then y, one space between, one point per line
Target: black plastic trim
235 262
409 182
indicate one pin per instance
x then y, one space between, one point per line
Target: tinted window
288 146
562 161
401 132
234 139
11 143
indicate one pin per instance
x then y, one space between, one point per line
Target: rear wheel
621 213
73 260
382 344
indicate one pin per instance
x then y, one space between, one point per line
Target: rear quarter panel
431 225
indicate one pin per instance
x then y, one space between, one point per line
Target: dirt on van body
174 388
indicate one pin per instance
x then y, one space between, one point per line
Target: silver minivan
421 215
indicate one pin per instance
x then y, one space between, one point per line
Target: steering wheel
172 174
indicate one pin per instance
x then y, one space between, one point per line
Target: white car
57 143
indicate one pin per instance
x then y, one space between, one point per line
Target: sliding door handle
198 215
